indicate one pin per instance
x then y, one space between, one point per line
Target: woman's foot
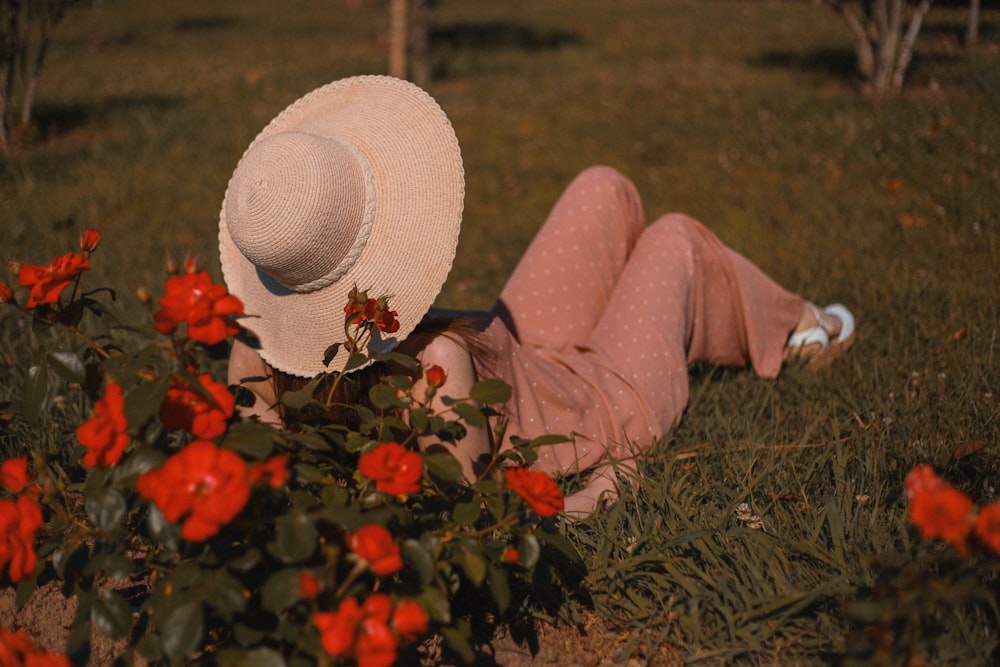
821 335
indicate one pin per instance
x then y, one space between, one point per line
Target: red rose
338 629
19 521
943 513
273 472
410 620
14 474
374 545
374 311
203 484
48 282
921 478
17 649
988 526
105 435
376 644
510 555
387 321
538 490
6 293
435 375
395 469
207 308
89 240
185 407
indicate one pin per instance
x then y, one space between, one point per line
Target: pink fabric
597 325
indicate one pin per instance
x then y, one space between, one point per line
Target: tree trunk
972 28
906 47
398 37
419 42
882 51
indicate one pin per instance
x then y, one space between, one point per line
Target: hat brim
414 155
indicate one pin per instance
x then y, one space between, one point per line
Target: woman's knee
610 195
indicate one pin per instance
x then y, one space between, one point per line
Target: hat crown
300 208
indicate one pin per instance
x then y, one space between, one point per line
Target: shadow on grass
56 119
204 23
501 35
838 63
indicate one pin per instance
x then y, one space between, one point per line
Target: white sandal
799 342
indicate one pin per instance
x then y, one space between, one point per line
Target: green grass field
741 113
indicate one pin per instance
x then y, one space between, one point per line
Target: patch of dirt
48 617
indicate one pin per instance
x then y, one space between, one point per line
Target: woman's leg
683 296
562 285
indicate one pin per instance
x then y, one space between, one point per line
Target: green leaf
250 438
68 366
143 401
334 497
385 397
418 420
106 508
330 352
35 392
404 360
162 530
181 628
529 551
443 466
312 441
300 398
490 391
473 563
281 590
111 614
258 657
295 538
420 559
355 361
550 439
225 593
137 462
469 512
459 640
246 561
500 588
79 636
113 565
472 415
436 604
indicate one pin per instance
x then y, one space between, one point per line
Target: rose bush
239 543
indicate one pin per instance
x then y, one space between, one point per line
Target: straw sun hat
360 182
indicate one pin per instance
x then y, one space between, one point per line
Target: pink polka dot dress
597 325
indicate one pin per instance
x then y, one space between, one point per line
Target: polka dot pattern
599 321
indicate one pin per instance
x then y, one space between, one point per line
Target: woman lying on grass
359 185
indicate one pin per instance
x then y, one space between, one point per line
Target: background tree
409 39
26 28
972 27
884 34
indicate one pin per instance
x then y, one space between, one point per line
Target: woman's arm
454 358
244 362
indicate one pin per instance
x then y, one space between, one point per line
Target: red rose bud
89 240
436 377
